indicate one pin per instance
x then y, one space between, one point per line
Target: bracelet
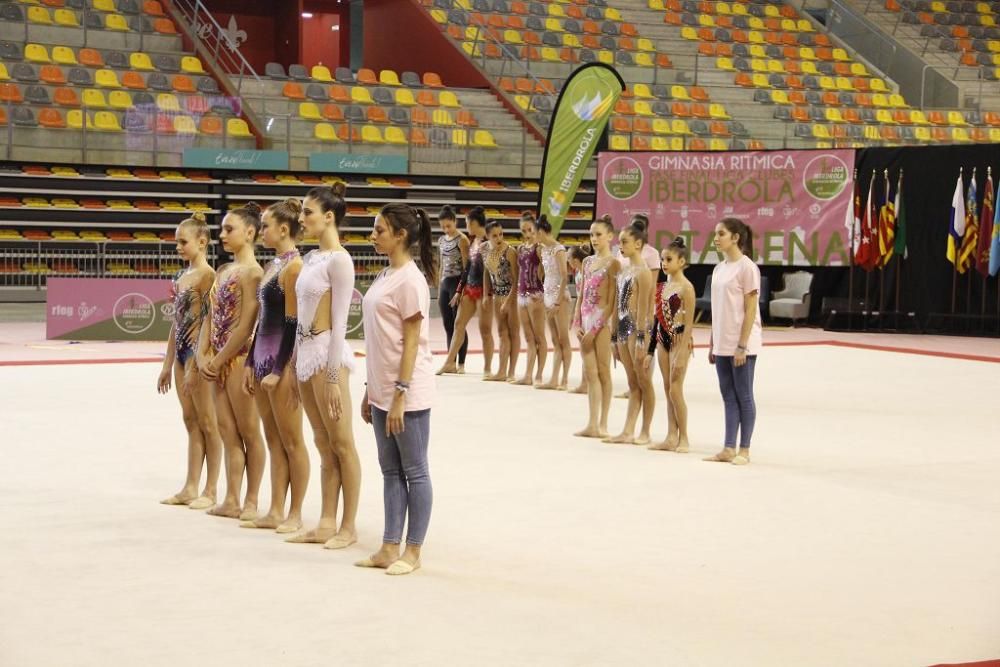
333 375
402 387
741 347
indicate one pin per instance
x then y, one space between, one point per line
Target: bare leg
486 332
529 342
627 436
196 445
466 309
204 405
594 398
329 476
565 313
669 443
550 320
536 310
288 418
602 344
346 474
677 402
235 458
279 465
503 334
514 330
248 427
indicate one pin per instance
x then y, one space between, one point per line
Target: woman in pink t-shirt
736 337
400 387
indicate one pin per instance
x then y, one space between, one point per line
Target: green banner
581 114
354 163
228 158
355 330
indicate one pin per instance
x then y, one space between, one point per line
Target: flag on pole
900 242
886 224
863 257
985 228
956 227
995 243
970 236
853 218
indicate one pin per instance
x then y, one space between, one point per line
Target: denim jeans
405 476
736 385
446 290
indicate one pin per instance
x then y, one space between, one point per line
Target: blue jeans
405 477
736 385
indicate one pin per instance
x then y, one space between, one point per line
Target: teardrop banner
582 111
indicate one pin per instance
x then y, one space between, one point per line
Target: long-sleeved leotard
318 349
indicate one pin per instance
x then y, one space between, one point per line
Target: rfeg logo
622 178
825 176
134 313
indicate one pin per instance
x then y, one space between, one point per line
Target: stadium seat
168 102
360 95
51 118
106 121
39 15
36 53
309 111
293 91
115 22
141 61
321 73
192 65
237 127
106 78
51 74
183 84
184 125
133 80
94 99
66 97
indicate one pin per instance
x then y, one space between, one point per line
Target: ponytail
426 246
742 231
416 224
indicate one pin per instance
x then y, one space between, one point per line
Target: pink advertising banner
796 202
107 309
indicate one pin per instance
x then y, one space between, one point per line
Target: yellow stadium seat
775 67
809 67
884 116
523 101
115 22
706 21
806 53
755 36
512 37
841 55
309 111
571 41
556 10
994 133
553 25
656 5
167 102
388 77
612 14
39 15
779 97
4 76
641 91
918 117
472 49
36 53
725 64
993 46
859 69
449 99
983 7
880 100
104 5
755 23
106 122
771 11
606 57
660 144
760 81
739 9
833 115
483 139
140 61
844 84
464 4
473 33
757 51
191 65
395 135
643 44
66 17
370 134
404 98
678 126
119 99
758 65
644 59
459 138
661 126
94 99
63 55
723 8
960 134
938 6
237 127
185 125
805 26
106 78
718 112
74 119
619 142
820 132
922 133
321 73
896 100
643 108
827 83
442 117
439 16
360 95
550 55
878 86
687 32
679 93
956 118
325 132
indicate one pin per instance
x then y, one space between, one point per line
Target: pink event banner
796 202
107 309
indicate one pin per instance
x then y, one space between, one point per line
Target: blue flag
995 243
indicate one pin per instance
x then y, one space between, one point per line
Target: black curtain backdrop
929 175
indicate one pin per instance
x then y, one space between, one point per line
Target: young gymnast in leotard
469 296
555 297
591 324
189 294
453 256
671 339
225 341
629 334
324 362
270 373
501 274
530 307
576 257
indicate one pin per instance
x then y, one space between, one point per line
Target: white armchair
792 302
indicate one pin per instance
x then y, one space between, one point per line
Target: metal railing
223 46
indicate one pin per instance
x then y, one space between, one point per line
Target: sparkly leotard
501 279
322 272
553 275
591 314
529 285
274 337
626 309
450 254
227 297
189 309
472 281
668 320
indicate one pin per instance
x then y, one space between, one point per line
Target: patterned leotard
227 299
553 275
668 320
189 309
529 285
501 279
450 256
626 309
472 286
273 342
591 315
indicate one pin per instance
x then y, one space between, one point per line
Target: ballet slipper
402 567
370 563
340 542
286 528
743 458
176 499
248 515
725 456
202 503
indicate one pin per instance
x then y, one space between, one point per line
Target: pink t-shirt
730 282
395 296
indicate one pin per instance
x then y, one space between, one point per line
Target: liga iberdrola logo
825 177
622 178
556 203
589 109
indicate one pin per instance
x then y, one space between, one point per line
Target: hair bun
252 208
293 203
678 242
339 188
198 216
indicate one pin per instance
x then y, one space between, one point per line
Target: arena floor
863 533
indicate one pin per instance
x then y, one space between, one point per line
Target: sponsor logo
589 109
622 178
825 177
134 313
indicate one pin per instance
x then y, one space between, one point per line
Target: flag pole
850 258
881 268
899 256
954 264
